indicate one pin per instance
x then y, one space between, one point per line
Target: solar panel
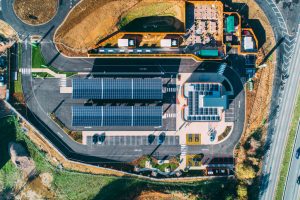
116 115
87 88
122 88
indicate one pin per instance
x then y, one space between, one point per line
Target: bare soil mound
21 159
93 20
8 36
35 12
153 195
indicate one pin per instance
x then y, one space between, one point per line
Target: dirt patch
35 12
91 20
21 159
46 179
35 189
152 195
258 100
31 185
8 36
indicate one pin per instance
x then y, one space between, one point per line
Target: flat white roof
165 42
123 42
248 43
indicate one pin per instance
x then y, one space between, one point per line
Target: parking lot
229 113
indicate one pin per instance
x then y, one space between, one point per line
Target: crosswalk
63 82
170 115
171 89
183 149
25 71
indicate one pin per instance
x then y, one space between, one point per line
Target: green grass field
18 84
155 9
288 151
37 57
38 61
74 185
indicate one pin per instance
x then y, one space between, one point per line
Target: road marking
63 82
60 135
138 150
25 71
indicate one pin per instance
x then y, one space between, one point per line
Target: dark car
298 180
95 138
161 138
298 153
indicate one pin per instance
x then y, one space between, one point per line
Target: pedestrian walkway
63 82
25 71
171 89
49 72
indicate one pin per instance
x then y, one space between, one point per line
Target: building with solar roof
117 88
105 116
205 101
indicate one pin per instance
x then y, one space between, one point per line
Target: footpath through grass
38 61
18 83
288 153
74 185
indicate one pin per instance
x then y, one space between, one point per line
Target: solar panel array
206 86
197 113
116 116
122 88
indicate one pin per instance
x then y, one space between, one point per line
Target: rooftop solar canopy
123 88
116 115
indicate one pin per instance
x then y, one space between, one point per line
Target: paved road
292 189
287 99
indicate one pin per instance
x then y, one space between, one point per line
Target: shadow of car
101 138
297 153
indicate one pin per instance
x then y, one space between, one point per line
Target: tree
244 171
242 192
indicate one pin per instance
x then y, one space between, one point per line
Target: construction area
209 34
84 26
198 29
35 12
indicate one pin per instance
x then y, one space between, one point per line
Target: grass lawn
37 57
74 185
18 84
146 10
288 152
41 75
38 61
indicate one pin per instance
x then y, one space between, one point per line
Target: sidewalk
49 72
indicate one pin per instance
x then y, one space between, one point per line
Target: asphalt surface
287 101
292 188
76 151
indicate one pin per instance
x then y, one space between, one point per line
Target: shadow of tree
7 134
125 189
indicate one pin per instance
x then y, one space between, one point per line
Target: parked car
161 138
298 153
101 138
95 139
212 137
298 180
